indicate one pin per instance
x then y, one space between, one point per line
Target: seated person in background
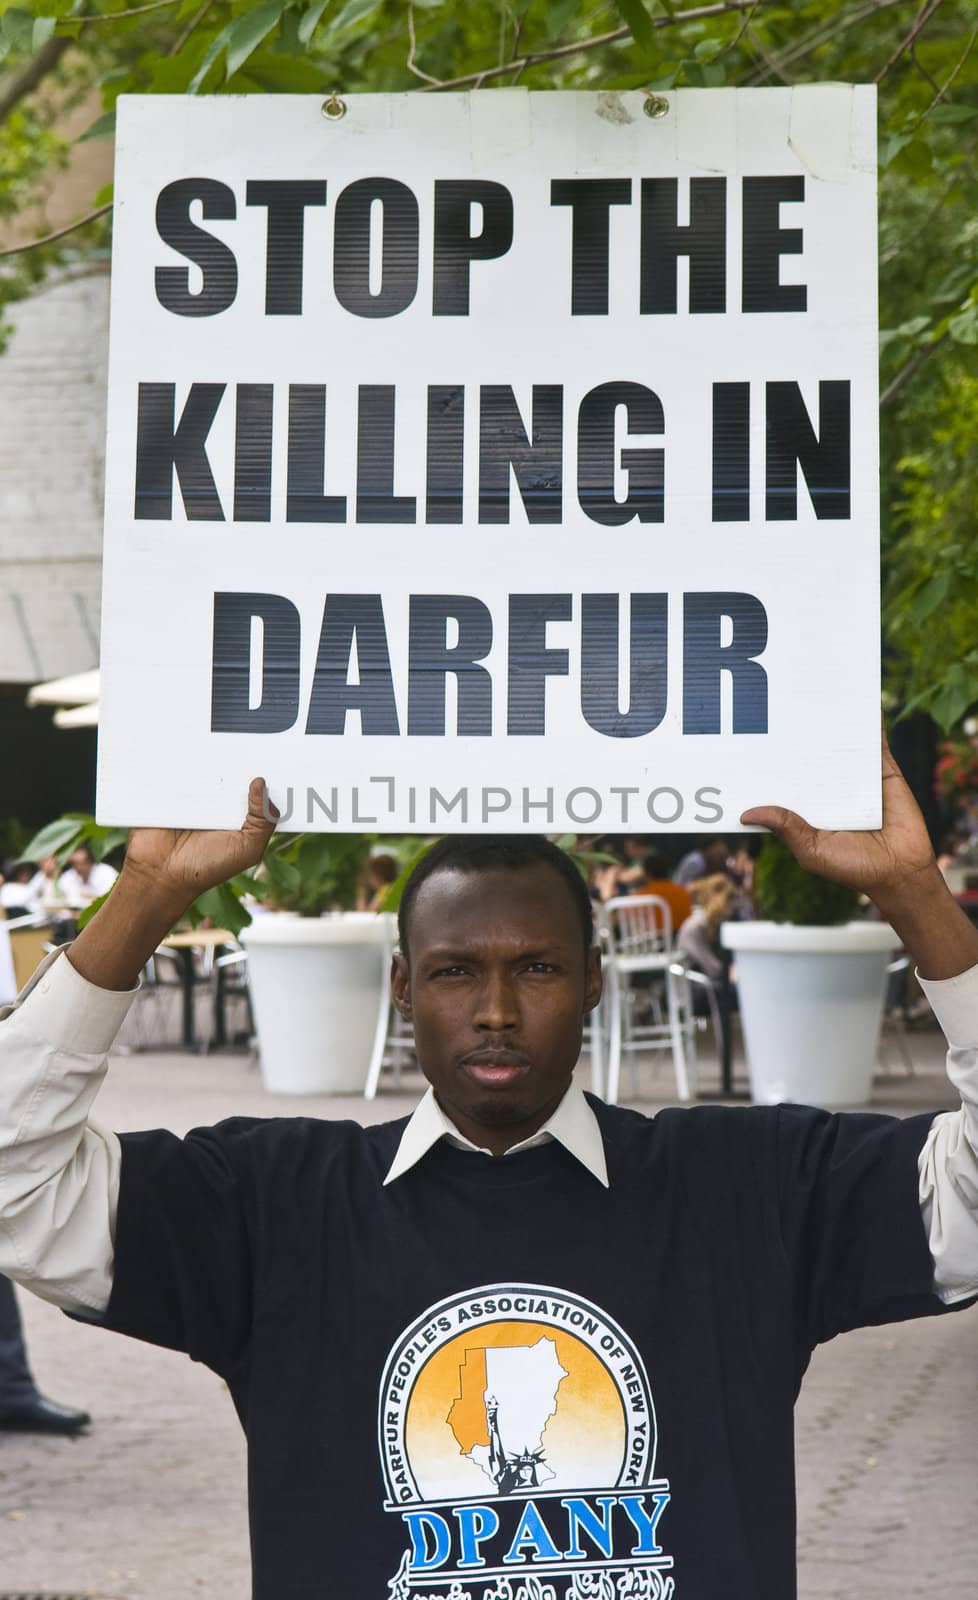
18 889
627 874
709 858
382 870
47 885
698 938
86 879
740 869
676 895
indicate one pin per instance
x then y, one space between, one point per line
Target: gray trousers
17 1387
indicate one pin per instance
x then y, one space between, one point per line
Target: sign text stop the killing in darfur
493 461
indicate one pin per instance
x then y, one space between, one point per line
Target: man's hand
179 864
877 862
895 866
164 871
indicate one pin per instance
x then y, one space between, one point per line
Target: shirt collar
573 1125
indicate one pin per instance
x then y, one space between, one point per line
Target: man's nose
496 1006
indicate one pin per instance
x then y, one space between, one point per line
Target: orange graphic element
467 1417
584 1440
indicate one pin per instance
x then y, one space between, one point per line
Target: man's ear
593 981
401 985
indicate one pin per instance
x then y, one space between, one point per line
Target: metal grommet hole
334 108
656 105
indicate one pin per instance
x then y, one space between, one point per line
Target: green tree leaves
928 98
23 32
634 14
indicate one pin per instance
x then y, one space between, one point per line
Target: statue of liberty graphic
507 1395
521 1471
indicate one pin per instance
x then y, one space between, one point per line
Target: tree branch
412 65
908 370
191 27
923 17
27 79
770 66
821 35
723 8
923 70
118 16
49 238
942 91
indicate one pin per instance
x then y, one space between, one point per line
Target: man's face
497 988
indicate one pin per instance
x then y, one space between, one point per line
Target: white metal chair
639 933
153 1022
232 988
597 1024
393 1037
688 979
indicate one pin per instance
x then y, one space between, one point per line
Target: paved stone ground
151 1504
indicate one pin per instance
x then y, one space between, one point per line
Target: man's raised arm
59 1171
895 866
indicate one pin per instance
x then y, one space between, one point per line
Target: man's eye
540 966
448 972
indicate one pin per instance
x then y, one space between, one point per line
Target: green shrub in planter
304 872
309 872
785 892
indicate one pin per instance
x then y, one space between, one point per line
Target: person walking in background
23 1409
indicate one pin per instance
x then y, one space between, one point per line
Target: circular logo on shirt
510 1388
517 1433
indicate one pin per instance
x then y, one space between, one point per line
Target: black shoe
43 1416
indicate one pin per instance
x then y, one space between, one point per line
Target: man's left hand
881 861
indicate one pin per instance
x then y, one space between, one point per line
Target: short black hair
492 852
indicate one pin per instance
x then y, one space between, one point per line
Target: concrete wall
52 425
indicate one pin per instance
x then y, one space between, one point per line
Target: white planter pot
811 1000
315 987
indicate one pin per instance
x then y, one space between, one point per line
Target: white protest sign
493 461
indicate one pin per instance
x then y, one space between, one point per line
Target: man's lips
494 1069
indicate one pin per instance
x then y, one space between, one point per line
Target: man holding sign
520 1344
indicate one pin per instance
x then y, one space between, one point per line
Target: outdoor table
184 945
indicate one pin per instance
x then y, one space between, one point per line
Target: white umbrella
78 690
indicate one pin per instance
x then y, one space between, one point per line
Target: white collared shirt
59 1168
573 1124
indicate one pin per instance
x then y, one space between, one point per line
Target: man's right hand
179 864
164 872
